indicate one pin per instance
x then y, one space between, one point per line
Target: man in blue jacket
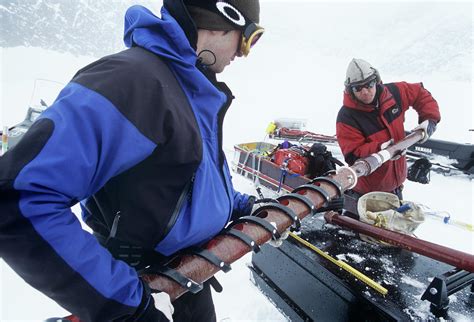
136 138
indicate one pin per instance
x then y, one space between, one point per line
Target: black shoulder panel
26 150
366 122
144 89
395 111
392 88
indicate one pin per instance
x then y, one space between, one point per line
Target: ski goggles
358 88
250 37
251 31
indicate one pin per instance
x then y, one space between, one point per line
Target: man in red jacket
371 119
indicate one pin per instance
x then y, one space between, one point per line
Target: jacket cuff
244 210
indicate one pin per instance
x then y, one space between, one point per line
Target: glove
428 127
277 243
155 307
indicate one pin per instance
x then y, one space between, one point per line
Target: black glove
147 310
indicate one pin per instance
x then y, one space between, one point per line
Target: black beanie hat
210 20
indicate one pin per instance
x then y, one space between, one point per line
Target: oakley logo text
224 6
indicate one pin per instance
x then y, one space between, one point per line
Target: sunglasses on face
358 88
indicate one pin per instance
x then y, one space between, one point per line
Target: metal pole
365 166
441 253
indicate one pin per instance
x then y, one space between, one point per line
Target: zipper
222 87
184 197
220 124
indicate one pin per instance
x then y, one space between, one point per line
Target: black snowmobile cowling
462 153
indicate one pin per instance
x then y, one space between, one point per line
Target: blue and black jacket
136 138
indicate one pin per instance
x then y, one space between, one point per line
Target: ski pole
445 217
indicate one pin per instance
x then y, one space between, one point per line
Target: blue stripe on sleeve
91 143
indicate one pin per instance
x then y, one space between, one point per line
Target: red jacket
361 129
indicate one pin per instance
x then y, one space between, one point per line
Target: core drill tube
229 249
365 166
441 253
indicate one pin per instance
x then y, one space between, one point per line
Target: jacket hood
162 36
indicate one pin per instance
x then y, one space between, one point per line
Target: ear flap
377 76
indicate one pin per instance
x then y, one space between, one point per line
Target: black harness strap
317 189
301 198
210 257
333 182
176 276
215 284
266 200
286 210
260 222
336 204
243 238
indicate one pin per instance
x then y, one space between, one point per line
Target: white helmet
359 72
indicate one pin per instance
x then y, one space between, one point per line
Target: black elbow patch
26 150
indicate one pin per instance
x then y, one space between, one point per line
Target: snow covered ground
297 70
